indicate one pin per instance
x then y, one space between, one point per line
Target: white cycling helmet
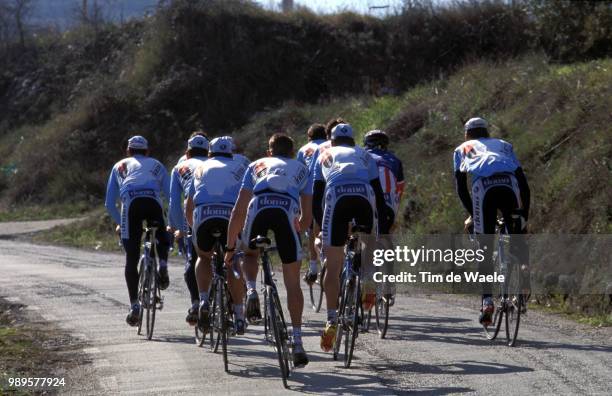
474 123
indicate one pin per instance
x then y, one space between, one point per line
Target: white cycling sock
332 315
203 296
314 268
252 284
239 311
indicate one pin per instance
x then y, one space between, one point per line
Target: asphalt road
434 345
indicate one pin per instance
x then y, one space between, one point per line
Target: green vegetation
32 349
95 232
557 118
71 100
44 212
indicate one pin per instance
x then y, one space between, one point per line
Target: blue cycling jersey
135 177
242 159
340 165
217 180
307 152
278 174
180 178
391 175
485 157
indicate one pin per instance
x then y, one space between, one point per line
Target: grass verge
30 348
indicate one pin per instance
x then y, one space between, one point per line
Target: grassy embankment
557 117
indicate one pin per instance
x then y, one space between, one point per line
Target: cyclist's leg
519 251
236 286
250 265
364 210
312 250
290 252
334 234
132 247
189 275
203 243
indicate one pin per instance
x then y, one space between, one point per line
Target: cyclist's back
390 173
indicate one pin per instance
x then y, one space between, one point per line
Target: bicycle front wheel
514 306
381 310
316 292
152 301
344 290
352 328
279 330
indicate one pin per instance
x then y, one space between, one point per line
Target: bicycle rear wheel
514 306
279 330
352 330
381 310
222 328
317 291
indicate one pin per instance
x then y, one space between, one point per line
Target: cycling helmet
475 123
220 145
376 138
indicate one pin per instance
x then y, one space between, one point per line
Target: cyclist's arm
525 192
381 207
317 201
112 194
175 217
238 216
306 208
189 206
165 184
401 182
461 186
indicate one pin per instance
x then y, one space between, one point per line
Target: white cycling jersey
485 157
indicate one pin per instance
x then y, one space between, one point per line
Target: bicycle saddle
260 242
216 233
358 228
153 224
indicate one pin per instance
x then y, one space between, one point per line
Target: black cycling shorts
287 238
204 235
342 213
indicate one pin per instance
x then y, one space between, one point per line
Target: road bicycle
316 289
350 310
275 327
220 303
508 298
149 293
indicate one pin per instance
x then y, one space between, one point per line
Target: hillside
557 117
71 100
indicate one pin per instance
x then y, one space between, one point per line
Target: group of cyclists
332 183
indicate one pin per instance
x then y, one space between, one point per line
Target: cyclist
197 151
346 175
316 135
498 183
138 181
212 193
391 175
316 229
275 191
